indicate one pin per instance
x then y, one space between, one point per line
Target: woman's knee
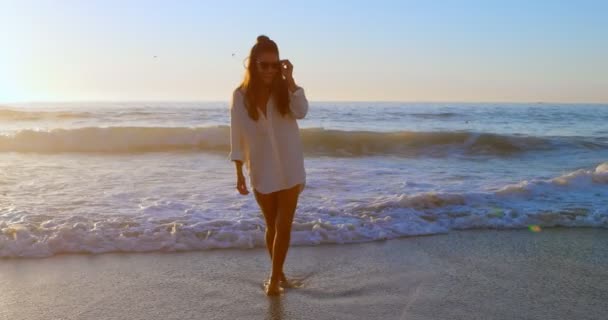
283 227
283 236
271 230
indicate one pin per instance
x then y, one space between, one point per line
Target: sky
148 50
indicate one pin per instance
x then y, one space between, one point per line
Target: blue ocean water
102 177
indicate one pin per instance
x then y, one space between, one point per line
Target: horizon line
313 101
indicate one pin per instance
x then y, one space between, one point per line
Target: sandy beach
553 274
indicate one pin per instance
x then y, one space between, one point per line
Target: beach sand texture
516 274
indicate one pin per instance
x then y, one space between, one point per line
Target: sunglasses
269 65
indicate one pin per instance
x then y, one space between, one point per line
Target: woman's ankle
280 277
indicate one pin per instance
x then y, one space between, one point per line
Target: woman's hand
287 73
286 69
241 185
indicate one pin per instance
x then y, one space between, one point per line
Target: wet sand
553 274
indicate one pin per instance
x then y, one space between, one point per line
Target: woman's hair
252 84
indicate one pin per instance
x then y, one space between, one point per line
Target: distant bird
155 57
233 54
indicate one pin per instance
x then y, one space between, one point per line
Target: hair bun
263 38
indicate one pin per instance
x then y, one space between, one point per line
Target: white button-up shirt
270 147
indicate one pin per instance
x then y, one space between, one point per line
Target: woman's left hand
287 73
287 70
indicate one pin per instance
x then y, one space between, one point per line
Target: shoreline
322 245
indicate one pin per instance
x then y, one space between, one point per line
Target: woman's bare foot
273 288
283 278
284 283
291 283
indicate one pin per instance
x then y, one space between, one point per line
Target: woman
265 136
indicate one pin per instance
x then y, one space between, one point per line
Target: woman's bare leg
287 200
268 204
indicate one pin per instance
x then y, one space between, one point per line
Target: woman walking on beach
265 136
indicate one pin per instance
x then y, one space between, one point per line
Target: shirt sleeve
236 133
298 105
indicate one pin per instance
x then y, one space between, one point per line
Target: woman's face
267 66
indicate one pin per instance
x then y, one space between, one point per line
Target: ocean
139 177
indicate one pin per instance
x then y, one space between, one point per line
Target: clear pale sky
103 50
